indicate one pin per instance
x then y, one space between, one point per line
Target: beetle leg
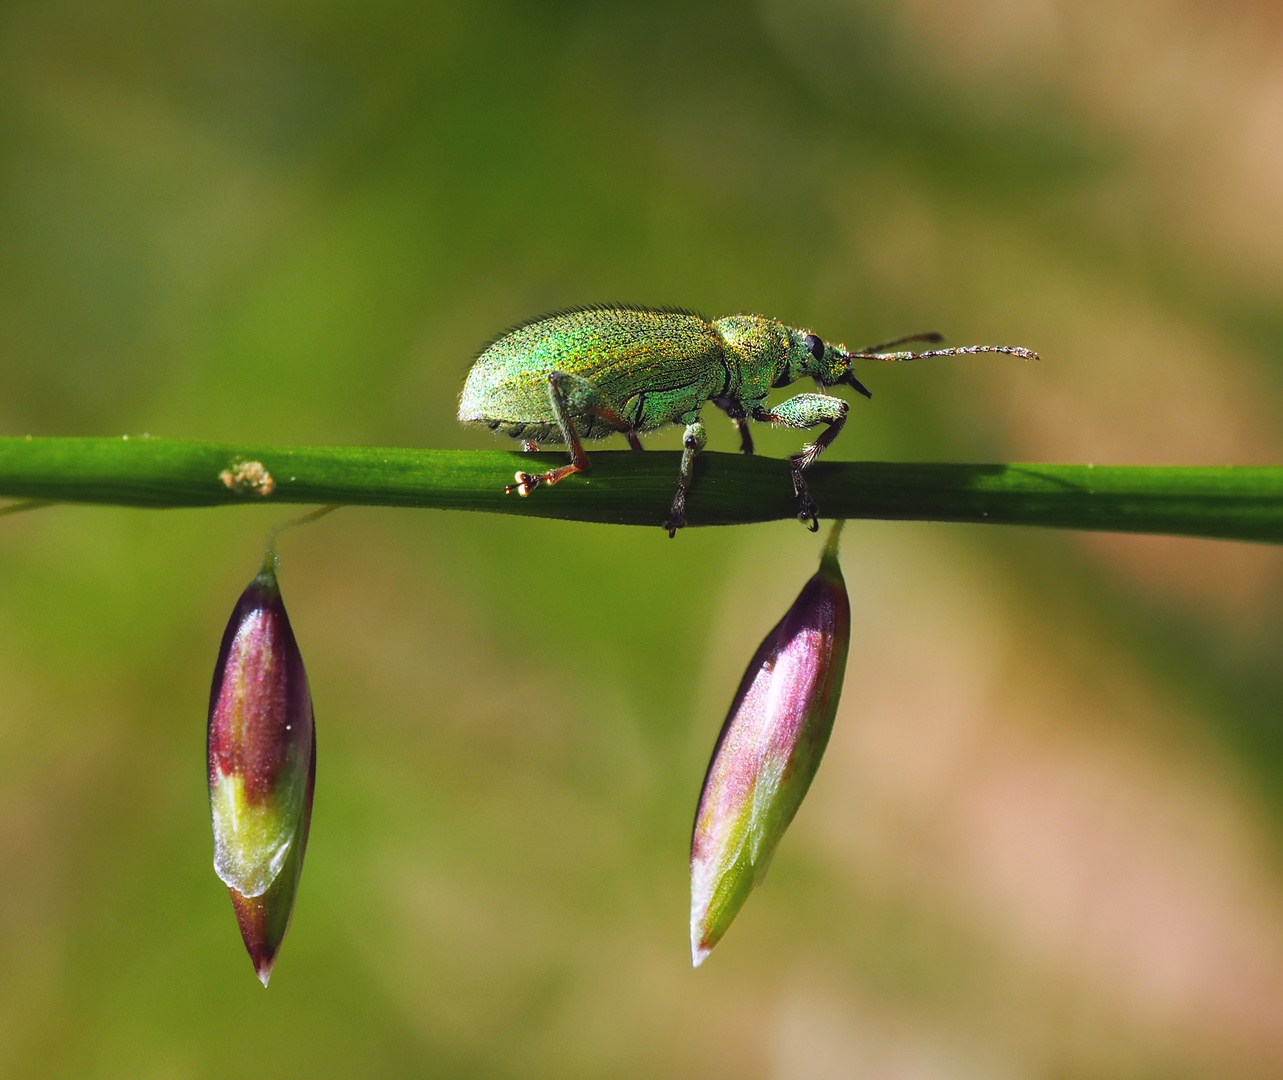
737 413
805 411
633 441
557 395
694 440
529 446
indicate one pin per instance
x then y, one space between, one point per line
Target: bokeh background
1047 838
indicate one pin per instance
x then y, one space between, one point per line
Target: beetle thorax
757 351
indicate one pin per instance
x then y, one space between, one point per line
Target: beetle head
827 364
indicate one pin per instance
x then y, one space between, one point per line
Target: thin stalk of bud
261 744
768 751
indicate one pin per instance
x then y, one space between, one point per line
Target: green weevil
589 372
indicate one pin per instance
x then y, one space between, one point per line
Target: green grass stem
628 488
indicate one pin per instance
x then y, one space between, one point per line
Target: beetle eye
816 346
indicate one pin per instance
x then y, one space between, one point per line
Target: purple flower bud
768 751
262 766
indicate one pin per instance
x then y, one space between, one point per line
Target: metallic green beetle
587 373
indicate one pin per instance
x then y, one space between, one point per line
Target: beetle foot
807 511
677 515
526 483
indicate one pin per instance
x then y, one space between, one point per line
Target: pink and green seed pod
768 751
261 746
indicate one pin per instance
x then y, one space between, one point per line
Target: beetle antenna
925 335
961 350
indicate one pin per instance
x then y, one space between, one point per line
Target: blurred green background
1047 838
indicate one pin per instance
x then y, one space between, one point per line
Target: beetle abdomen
635 358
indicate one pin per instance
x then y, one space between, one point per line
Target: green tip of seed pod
716 903
263 920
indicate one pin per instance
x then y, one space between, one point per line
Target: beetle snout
850 379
